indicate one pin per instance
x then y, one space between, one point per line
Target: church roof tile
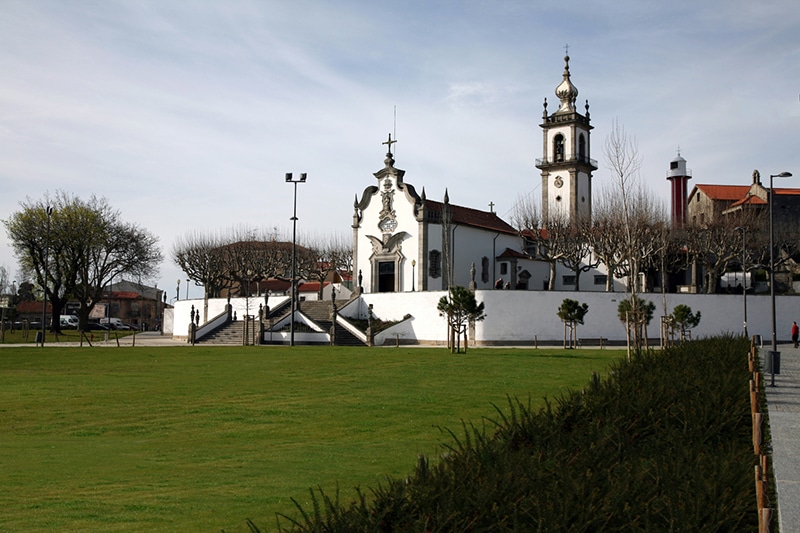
473 217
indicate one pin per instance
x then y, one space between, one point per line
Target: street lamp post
774 355
289 179
744 275
49 211
178 290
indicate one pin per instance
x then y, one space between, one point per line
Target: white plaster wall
470 245
519 316
434 243
556 207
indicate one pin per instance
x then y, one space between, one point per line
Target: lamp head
288 177
304 175
782 175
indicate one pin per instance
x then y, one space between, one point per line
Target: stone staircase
317 311
320 312
229 334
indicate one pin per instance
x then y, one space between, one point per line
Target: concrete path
146 338
783 403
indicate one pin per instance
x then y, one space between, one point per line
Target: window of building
673 165
558 148
582 147
600 279
484 269
568 280
503 269
435 264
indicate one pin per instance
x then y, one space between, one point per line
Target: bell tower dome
566 166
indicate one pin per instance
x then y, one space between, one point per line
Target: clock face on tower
558 182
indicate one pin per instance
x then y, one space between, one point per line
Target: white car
69 321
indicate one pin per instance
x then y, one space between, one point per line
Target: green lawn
202 438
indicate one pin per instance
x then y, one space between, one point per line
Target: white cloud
186 116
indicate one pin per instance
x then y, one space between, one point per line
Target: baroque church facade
403 241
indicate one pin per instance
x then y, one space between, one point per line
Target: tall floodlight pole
744 275
774 356
49 211
294 252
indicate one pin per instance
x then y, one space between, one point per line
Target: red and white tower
679 177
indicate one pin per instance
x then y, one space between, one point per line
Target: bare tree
607 237
577 255
624 163
714 245
545 240
323 257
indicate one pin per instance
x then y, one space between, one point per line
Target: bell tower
566 165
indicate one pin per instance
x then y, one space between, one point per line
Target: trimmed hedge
663 444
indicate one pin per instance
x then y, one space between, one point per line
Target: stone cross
390 142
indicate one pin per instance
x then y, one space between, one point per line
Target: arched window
558 148
582 147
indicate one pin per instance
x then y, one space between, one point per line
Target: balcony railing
570 158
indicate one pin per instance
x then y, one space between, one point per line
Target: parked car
69 322
94 326
112 323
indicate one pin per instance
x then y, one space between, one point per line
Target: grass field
202 438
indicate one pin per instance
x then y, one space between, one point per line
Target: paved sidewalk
146 338
783 402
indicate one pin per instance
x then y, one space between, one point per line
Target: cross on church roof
566 48
491 207
390 142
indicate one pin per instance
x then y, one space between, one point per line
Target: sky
185 115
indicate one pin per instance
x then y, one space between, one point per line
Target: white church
408 250
403 241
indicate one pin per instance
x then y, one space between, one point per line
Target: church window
503 269
568 280
582 147
558 198
435 264
558 148
484 269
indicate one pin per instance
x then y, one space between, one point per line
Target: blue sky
185 115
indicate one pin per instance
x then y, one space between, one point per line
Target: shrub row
663 444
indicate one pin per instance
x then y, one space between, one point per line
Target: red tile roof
750 200
509 253
310 286
32 307
473 217
276 285
721 192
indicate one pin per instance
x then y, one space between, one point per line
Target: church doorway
386 276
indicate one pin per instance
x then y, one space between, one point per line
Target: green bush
663 444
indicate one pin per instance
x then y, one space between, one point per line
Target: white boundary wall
519 316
